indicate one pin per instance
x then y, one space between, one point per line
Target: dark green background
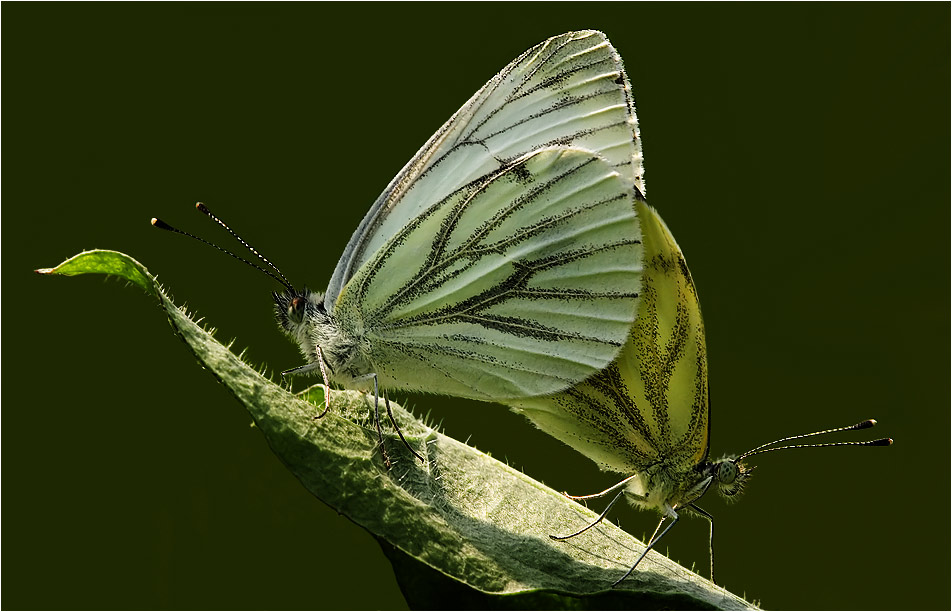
798 152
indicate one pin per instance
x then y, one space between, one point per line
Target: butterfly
647 415
504 260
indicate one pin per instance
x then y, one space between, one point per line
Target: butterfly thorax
303 316
667 485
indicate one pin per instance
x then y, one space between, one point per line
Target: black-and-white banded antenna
763 448
204 210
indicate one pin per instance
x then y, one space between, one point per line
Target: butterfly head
295 310
729 476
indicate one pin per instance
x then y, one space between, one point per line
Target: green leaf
462 527
112 263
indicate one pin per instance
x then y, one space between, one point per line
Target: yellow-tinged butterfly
504 260
647 415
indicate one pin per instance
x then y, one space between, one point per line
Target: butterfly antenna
763 448
159 223
204 210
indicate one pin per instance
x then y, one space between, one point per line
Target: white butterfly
504 260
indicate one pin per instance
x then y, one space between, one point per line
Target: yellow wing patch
651 404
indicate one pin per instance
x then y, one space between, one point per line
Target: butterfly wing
521 283
651 404
570 91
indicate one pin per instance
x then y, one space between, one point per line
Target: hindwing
521 283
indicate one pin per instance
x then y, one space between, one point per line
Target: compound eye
726 472
296 309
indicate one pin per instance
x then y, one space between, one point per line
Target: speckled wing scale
504 260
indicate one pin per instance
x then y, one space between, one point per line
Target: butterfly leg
304 369
654 540
592 524
657 529
383 448
397 427
710 541
603 493
327 385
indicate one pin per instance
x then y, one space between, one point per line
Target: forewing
521 283
569 91
652 402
